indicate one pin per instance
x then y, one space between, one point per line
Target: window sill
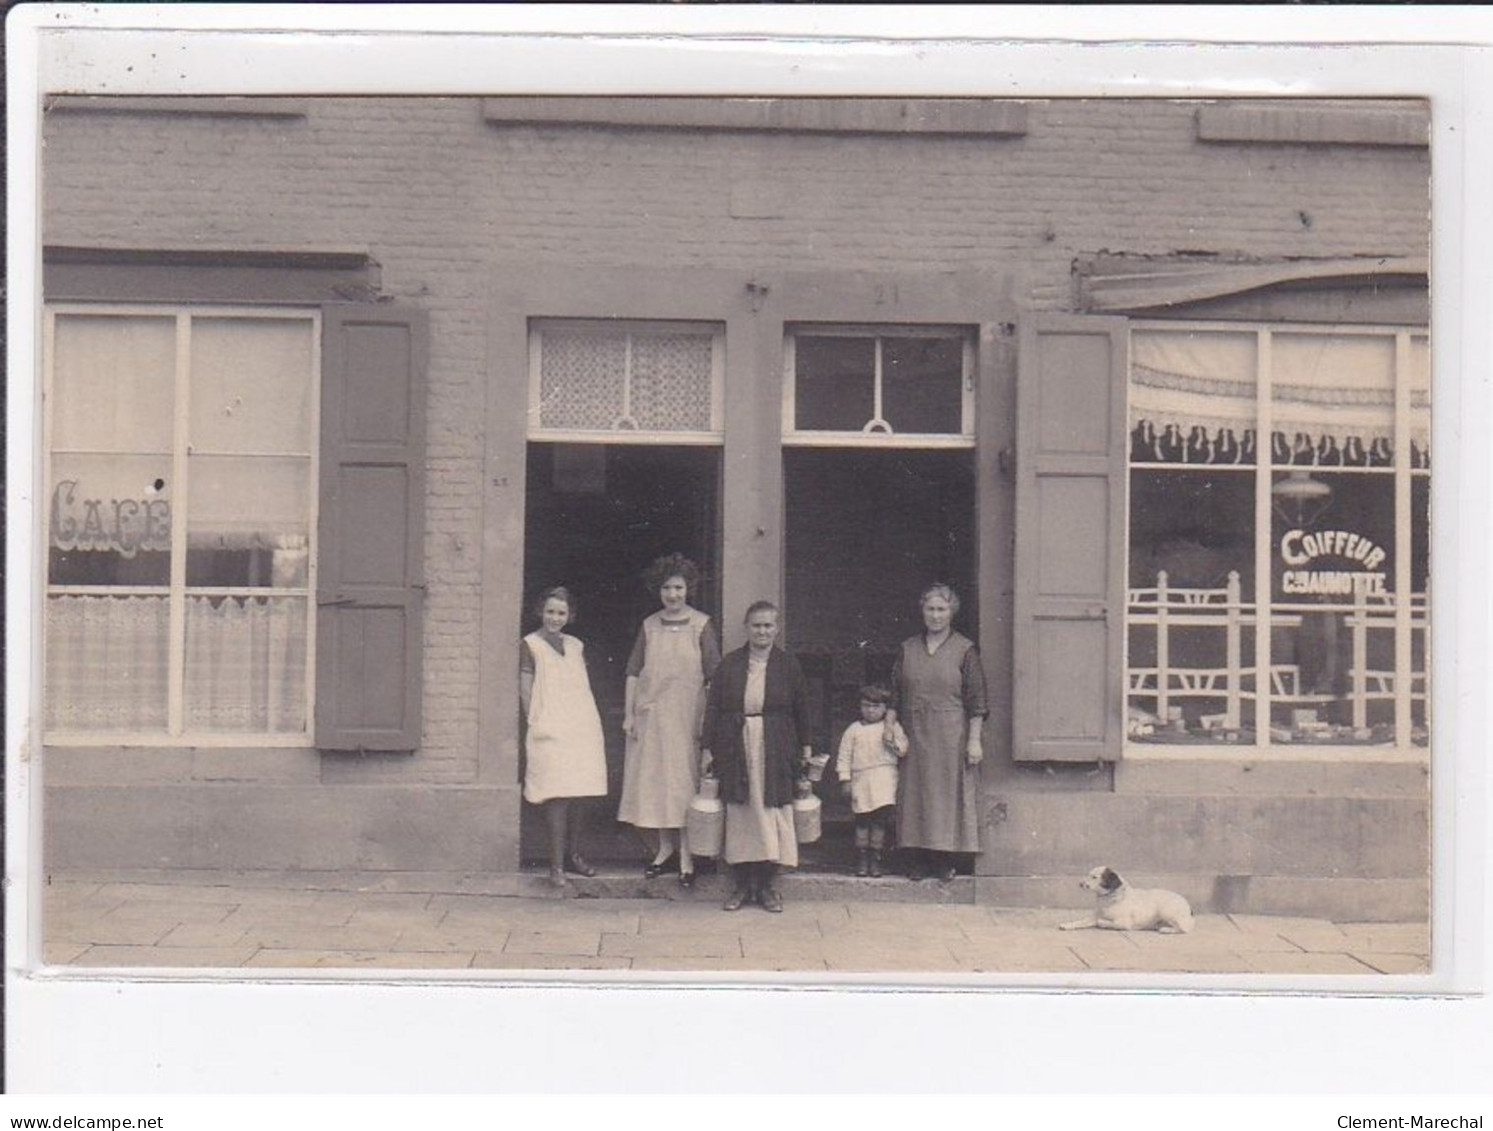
1281 753
211 106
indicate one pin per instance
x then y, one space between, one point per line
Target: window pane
1420 596
248 521
582 374
672 377
1191 606
922 384
834 383
251 385
112 383
1332 632
110 520
106 663
1420 402
1333 399
246 664
1194 397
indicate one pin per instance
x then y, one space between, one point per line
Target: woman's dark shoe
734 900
946 873
654 871
771 900
687 880
580 865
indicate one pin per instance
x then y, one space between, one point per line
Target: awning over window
1131 282
1333 390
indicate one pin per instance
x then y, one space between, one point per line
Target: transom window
180 532
1279 502
619 382
881 386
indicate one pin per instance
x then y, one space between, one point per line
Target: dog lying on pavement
1121 907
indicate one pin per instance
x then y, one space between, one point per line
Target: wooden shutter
370 580
1071 458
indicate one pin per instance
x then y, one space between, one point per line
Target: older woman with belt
756 736
939 697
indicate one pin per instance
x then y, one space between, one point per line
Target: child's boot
863 862
873 866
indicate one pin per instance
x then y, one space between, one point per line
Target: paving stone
490 960
1306 963
1395 963
373 900
160 911
1275 924
1061 961
313 937
860 963
57 953
562 917
362 960
203 935
683 964
164 957
97 931
554 942
660 945
787 948
388 917
1324 937
1388 938
288 916
1175 962
439 937
1048 918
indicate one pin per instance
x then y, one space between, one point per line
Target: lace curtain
108 660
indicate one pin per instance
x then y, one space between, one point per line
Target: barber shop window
1278 582
180 526
878 386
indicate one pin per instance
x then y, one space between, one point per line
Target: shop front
300 501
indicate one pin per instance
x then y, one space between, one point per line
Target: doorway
866 531
595 516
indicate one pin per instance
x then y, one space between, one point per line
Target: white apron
566 757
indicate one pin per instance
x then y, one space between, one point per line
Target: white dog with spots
1121 907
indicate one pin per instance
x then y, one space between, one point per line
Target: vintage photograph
820 537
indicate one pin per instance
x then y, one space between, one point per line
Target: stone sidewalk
94 923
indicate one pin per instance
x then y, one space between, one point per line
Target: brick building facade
1042 239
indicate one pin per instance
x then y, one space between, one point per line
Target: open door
1070 538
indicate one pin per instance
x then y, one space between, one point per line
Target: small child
867 766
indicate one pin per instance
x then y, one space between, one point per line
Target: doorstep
615 883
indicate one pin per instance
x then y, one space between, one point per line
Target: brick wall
436 196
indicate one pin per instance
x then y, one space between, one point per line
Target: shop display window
1279 592
878 386
180 529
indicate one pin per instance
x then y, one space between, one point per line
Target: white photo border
1131 52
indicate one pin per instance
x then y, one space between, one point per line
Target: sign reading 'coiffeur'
1300 551
121 526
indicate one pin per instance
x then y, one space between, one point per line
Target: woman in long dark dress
756 737
938 694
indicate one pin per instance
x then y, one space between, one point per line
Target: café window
878 386
180 531
617 382
1278 588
